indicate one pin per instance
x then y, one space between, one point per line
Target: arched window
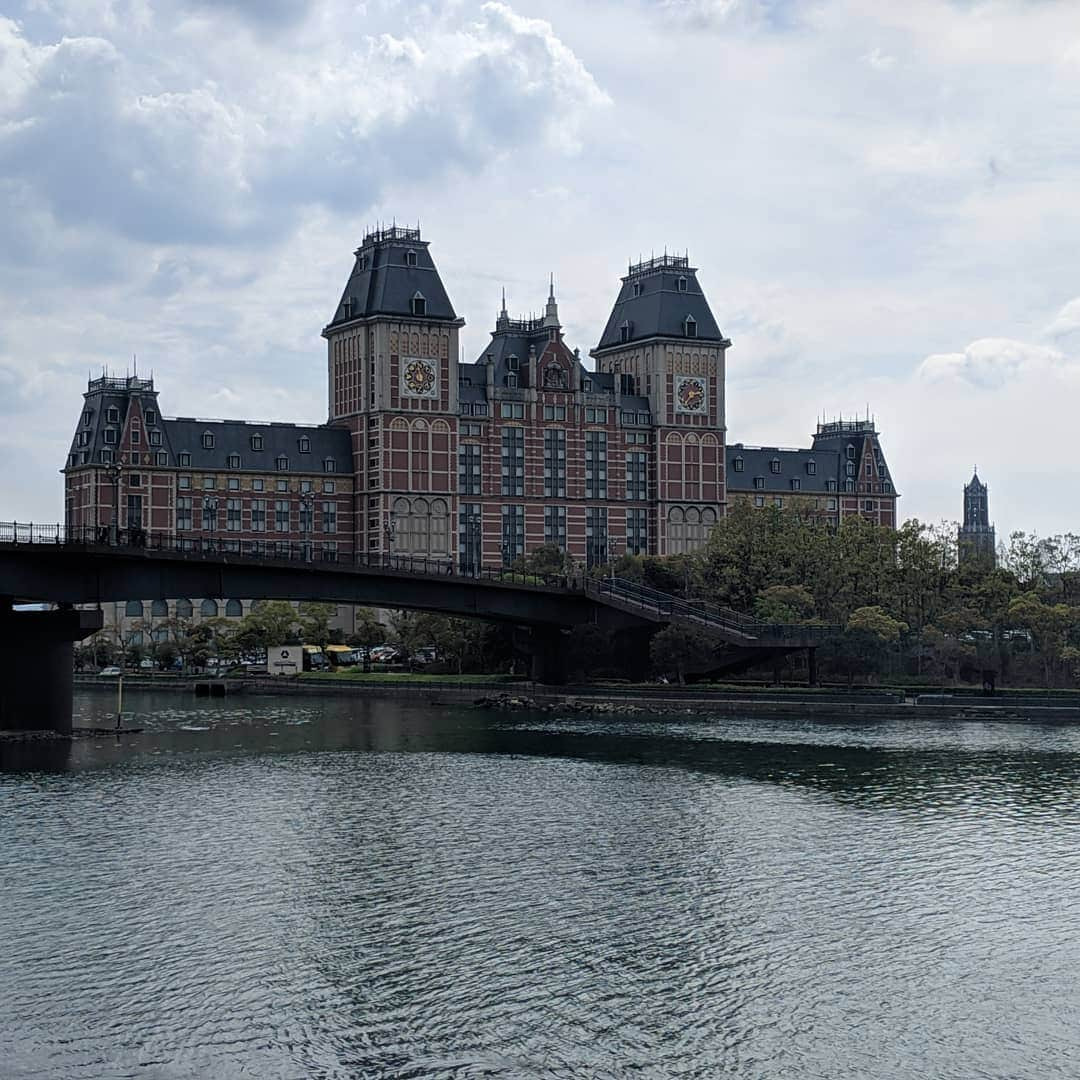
133 609
184 609
208 609
233 609
159 609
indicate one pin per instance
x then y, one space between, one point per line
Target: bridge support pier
36 647
549 647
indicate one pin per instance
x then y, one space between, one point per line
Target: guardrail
306 554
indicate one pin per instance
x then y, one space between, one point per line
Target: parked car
146 665
110 671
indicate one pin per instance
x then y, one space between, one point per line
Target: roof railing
660 262
392 232
109 382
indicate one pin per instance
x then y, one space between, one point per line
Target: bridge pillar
36 652
549 648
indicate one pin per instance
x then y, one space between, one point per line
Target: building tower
661 341
976 536
393 366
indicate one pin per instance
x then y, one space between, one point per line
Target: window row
232 483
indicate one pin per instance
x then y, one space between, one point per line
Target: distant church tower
976 537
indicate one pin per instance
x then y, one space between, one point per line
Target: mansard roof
656 298
185 435
393 266
757 462
171 436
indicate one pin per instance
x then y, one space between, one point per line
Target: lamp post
113 471
307 524
210 509
473 544
390 531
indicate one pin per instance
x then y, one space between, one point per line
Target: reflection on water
324 888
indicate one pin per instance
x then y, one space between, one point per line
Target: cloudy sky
882 200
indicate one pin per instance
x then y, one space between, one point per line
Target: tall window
469 474
595 464
555 525
637 531
232 515
281 515
596 535
513 461
258 515
513 533
184 512
329 517
554 463
307 517
637 484
470 537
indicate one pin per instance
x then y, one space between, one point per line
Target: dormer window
811 468
849 468
184 459
624 331
419 304
256 442
796 484
87 416
510 379
410 258
738 464
208 440
690 326
681 284
513 363
361 263
305 444
587 385
637 288
110 435
112 415
774 465
850 451
347 307
233 461
759 482
105 456
329 464
151 418
154 437
282 463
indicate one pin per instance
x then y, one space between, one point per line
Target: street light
113 471
390 530
307 523
473 544
210 509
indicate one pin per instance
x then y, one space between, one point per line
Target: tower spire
551 312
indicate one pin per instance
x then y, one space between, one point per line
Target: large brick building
475 463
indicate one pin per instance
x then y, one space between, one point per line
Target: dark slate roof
382 282
757 463
839 434
234 436
660 309
976 485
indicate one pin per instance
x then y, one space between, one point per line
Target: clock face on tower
419 378
691 393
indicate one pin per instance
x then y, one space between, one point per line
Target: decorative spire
551 313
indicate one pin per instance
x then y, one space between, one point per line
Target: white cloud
996 362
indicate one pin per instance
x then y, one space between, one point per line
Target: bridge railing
230 547
710 615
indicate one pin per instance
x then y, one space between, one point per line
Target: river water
272 888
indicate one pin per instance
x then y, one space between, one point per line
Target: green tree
314 619
784 604
681 649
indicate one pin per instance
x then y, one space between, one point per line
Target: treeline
904 605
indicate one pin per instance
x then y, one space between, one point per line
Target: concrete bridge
88 567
